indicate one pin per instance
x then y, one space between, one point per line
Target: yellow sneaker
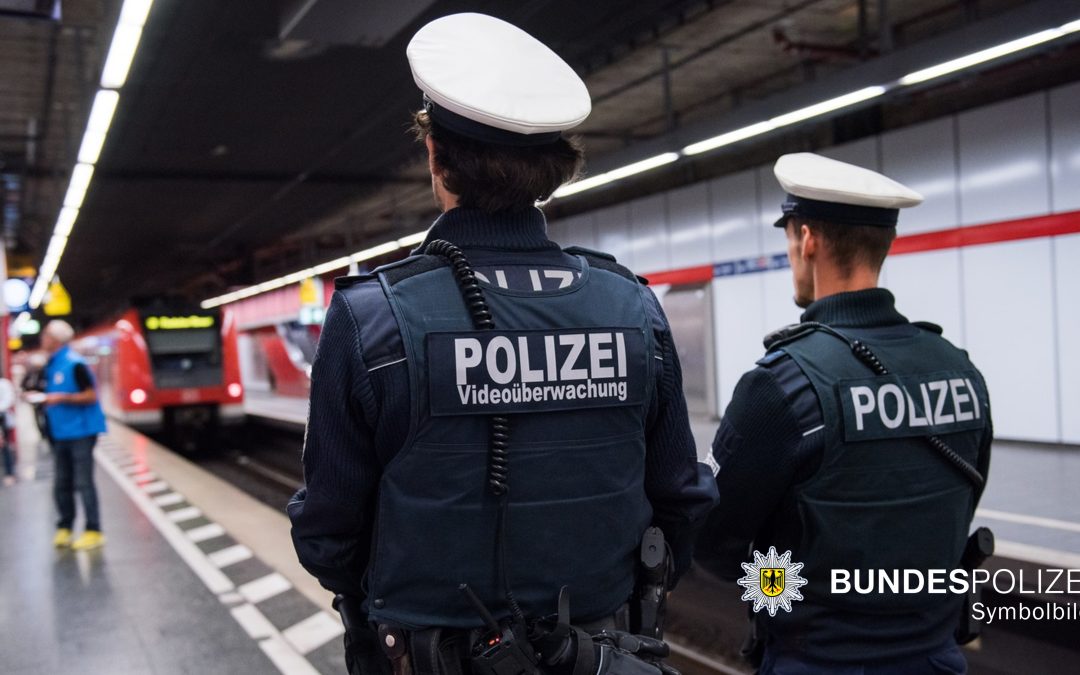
62 538
88 540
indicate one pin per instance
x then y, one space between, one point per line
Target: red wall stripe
990 233
690 275
1052 225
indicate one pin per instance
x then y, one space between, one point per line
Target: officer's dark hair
851 244
493 177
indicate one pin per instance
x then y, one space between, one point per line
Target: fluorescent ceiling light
80 181
829 106
121 52
784 120
101 113
90 149
65 222
97 126
868 93
37 295
322 268
56 249
728 138
297 277
135 11
413 239
616 174
374 251
989 54
330 266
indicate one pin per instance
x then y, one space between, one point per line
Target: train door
254 371
688 310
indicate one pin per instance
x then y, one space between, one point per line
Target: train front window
184 351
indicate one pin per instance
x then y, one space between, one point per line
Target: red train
176 372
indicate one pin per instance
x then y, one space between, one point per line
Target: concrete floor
195 576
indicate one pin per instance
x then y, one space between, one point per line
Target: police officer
492 411
825 449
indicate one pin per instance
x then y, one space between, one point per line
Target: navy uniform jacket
772 439
333 515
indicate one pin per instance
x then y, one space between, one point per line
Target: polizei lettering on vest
909 406
521 371
502 358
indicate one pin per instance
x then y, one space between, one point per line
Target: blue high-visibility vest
68 421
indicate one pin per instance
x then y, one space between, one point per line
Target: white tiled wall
1013 304
649 235
1067 304
1065 148
734 218
1008 318
690 227
924 158
1004 168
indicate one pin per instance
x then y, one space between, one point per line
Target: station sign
312 306
17 295
30 327
312 316
57 300
189 322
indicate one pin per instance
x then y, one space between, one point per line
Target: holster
436 651
753 646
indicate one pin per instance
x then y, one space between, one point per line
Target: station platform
265 406
1031 501
195 576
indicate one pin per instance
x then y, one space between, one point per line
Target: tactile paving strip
297 636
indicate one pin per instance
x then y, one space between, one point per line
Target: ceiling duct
317 24
31 9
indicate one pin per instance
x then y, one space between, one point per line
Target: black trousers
74 462
947 660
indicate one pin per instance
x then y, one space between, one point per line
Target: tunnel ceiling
236 156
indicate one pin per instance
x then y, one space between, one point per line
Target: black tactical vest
573 370
882 497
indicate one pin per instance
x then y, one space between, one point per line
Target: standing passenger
7 419
822 454
75 420
518 458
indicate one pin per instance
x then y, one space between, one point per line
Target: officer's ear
809 241
432 166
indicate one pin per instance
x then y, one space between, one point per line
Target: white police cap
489 80
825 189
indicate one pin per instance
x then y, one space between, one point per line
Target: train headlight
236 389
137 396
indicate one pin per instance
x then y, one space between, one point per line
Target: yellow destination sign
178 322
57 300
311 291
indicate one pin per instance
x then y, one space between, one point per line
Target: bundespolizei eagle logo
772 581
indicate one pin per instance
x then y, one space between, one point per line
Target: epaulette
341 283
787 334
604 261
395 271
926 325
771 358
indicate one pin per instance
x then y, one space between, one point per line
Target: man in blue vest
75 420
493 412
860 444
